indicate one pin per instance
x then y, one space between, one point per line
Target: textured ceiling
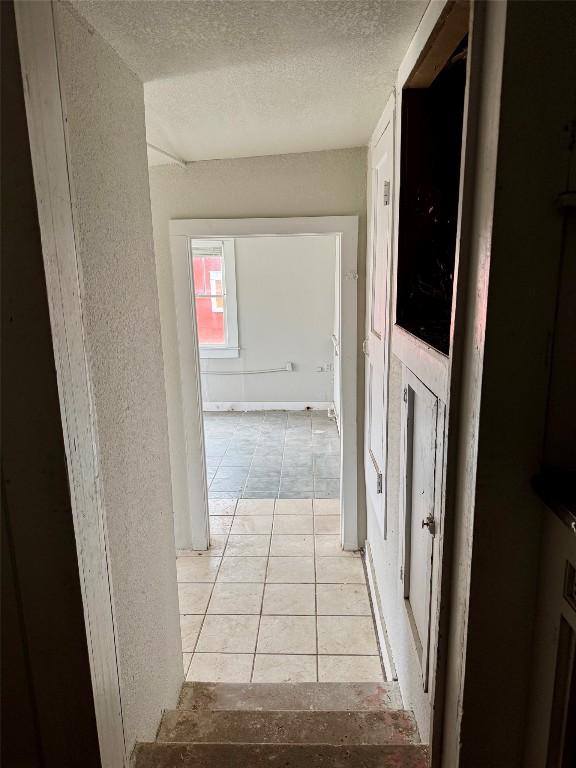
238 78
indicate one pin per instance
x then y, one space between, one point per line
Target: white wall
311 184
106 144
285 295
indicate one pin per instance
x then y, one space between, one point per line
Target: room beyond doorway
272 454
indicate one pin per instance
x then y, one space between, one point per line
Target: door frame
345 230
64 281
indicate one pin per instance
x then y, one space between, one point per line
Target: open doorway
280 593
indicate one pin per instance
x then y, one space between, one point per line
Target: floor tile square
293 507
254 524
220 667
197 568
350 669
248 544
326 506
217 544
353 635
228 634
327 524
289 599
339 570
328 545
236 598
287 634
255 507
186 658
193 598
189 630
290 570
343 600
293 524
292 544
220 524
326 489
243 569
222 506
287 668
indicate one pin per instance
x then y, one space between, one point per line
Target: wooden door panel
420 441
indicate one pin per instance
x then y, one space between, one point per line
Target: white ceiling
239 78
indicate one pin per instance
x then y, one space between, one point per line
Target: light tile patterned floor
276 599
272 454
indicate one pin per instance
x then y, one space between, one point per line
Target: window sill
214 352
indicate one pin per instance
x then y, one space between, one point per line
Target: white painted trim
267 406
345 228
64 283
192 525
383 639
215 352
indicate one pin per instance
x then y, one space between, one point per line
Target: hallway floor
275 599
272 454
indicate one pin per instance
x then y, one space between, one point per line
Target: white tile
352 635
293 507
193 598
189 630
217 544
290 570
197 568
186 658
339 570
246 569
289 599
328 545
327 524
220 667
295 544
222 506
343 600
220 524
255 524
350 669
255 507
293 524
288 668
287 634
248 544
326 506
236 598
228 634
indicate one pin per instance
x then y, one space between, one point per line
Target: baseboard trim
268 406
389 667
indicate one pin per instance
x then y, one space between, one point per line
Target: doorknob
429 523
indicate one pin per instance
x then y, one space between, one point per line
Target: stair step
158 755
235 727
354 697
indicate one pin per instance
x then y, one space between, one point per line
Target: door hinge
379 482
405 395
386 194
401 573
365 347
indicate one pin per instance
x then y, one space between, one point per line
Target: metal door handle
429 523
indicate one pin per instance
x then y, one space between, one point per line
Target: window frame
230 348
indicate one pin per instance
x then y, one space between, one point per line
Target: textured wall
285 292
331 183
104 110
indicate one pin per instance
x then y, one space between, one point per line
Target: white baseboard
389 667
267 406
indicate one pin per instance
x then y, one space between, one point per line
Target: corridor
276 599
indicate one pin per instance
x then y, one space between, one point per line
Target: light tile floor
272 454
275 599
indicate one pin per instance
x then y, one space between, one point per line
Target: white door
375 342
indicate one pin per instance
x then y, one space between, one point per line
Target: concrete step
158 755
337 728
355 697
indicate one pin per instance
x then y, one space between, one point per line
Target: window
213 266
